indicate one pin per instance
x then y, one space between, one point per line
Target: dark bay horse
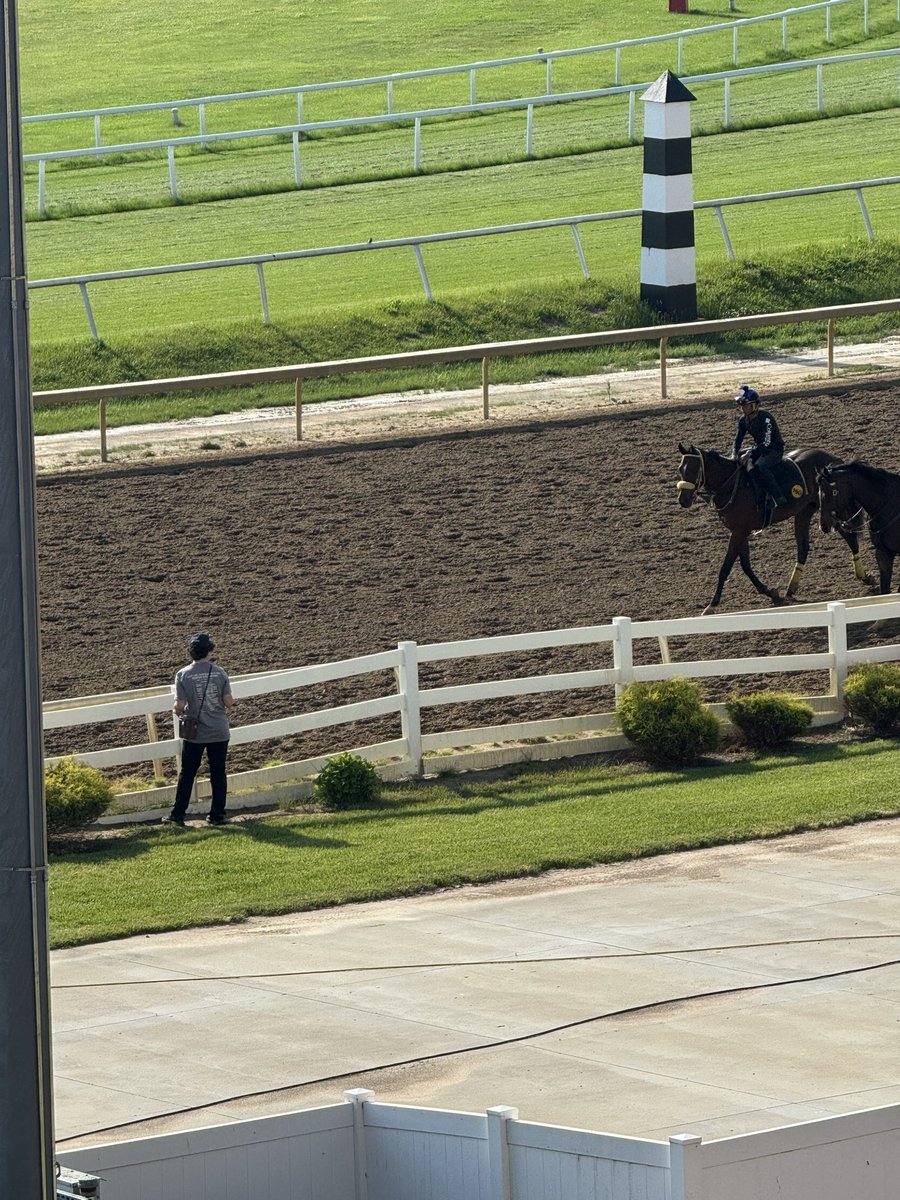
724 484
853 490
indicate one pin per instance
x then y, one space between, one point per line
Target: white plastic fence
259 261
409 698
542 58
418 116
363 1150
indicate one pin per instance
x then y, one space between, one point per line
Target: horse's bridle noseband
700 487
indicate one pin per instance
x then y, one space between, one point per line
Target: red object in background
678 5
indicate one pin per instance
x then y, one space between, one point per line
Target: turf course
424 837
853 147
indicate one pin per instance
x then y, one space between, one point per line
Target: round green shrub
668 721
767 719
75 794
872 696
347 781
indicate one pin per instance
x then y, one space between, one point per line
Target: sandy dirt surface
330 550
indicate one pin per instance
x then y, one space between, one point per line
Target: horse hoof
709 610
778 600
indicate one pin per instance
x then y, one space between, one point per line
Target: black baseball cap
200 645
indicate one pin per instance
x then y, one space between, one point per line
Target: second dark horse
723 483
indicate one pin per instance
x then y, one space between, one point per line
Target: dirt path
403 414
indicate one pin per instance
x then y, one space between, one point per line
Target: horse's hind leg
801 537
772 593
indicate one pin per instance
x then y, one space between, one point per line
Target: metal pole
724 228
831 346
663 388
298 174
417 144
472 86
202 113
865 214
263 296
529 132
42 187
631 116
101 417
173 179
423 274
580 251
26 1079
298 407
485 388
89 311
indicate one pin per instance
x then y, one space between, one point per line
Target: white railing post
727 120
173 181
724 228
580 250
685 1167
623 654
390 96
300 108
550 75
631 116
358 1098
97 139
618 79
828 25
865 214
201 109
417 144
42 187
263 295
423 274
837 647
680 56
529 131
784 34
820 89
734 47
865 18
410 711
472 86
298 175
89 311
498 1151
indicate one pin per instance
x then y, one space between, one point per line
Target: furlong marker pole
668 267
26 1110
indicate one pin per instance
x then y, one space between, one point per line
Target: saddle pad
790 478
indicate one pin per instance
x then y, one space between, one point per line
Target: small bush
75 794
872 695
667 721
767 719
347 781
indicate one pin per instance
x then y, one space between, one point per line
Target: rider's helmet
746 395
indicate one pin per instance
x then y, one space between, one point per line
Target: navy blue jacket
763 428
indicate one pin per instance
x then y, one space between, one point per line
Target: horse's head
690 474
837 506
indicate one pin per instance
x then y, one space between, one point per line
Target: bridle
703 491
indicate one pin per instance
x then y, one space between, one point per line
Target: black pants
763 480
191 757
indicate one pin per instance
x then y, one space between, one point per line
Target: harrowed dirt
336 549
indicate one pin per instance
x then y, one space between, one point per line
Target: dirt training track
321 554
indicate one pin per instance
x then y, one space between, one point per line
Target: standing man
202 693
767 451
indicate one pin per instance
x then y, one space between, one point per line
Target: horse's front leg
801 537
772 593
734 547
852 540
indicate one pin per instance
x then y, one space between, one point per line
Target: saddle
790 479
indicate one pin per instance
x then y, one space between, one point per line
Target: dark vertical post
26 1115
668 268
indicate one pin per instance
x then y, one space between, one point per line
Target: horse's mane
874 475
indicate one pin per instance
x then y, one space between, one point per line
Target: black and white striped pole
668 268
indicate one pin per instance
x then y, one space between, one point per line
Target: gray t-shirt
190 683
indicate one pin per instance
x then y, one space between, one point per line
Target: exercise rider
767 451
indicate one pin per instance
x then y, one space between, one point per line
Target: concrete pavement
146 1026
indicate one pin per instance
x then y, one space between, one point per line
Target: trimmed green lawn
846 148
103 54
424 837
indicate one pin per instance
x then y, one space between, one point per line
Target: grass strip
423 837
857 272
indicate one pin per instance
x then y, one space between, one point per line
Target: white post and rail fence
406 698
485 353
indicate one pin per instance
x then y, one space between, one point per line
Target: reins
703 491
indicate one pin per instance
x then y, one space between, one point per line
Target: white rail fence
415 118
363 1150
542 58
401 757
259 261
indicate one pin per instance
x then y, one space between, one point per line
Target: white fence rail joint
407 702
